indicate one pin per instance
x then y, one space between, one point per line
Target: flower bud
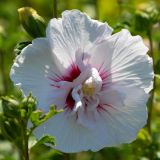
28 105
10 107
32 22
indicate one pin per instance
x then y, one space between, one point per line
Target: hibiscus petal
130 65
112 126
120 123
100 56
34 70
75 30
70 136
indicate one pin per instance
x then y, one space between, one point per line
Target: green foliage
146 17
14 117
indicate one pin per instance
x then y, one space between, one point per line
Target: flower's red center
85 86
72 73
70 102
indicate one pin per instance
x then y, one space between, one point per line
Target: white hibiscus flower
101 81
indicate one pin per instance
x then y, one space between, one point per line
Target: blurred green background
119 14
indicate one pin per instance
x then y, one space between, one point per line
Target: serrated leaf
36 117
45 139
52 112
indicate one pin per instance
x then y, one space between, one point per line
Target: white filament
76 97
87 89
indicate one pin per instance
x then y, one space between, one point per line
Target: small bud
28 104
10 107
32 22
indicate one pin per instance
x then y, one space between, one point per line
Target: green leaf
121 25
142 21
147 16
45 139
10 107
52 112
10 128
18 48
38 116
144 135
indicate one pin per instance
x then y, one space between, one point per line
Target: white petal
121 123
75 30
87 119
111 127
130 65
32 70
59 95
100 55
70 136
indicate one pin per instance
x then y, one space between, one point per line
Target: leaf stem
4 80
149 34
97 9
151 101
55 9
24 152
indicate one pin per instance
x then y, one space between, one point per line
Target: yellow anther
88 87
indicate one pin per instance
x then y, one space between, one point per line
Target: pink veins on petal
71 73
